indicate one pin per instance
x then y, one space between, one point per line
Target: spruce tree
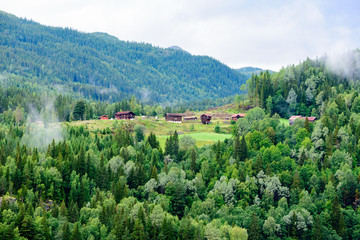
254 230
66 230
307 125
76 235
317 233
193 160
236 149
243 153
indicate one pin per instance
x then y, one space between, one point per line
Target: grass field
201 138
203 134
284 121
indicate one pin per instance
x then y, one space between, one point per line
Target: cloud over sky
239 33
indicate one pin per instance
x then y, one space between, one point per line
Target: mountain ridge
88 64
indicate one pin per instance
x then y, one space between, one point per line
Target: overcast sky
264 33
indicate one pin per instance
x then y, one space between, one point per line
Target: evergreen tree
138 233
317 233
243 153
76 235
254 230
236 149
66 230
193 159
337 217
154 173
307 125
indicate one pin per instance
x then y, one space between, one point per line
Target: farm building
125 115
173 117
189 119
311 119
293 118
103 117
237 116
205 118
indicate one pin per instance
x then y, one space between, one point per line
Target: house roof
294 117
174 114
125 112
309 118
239 114
206 114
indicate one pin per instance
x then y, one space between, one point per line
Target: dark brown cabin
205 118
236 116
189 119
173 117
125 115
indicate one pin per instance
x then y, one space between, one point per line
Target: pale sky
260 33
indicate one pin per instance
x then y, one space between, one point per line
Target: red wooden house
103 117
125 115
205 118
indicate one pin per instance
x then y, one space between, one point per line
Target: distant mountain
248 71
101 67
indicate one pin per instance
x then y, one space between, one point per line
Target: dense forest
269 181
98 66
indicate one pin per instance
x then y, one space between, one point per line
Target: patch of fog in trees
42 125
347 63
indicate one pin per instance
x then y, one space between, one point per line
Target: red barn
103 117
235 117
173 117
125 115
311 119
292 119
205 118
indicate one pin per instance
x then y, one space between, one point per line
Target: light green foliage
255 114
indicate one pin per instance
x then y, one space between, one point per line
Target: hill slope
248 71
100 66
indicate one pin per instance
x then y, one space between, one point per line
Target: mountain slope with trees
101 67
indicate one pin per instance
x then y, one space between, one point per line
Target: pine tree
66 230
119 228
73 212
154 173
218 154
193 160
76 233
317 233
243 150
254 230
63 210
258 165
336 217
138 232
236 149
307 125
175 144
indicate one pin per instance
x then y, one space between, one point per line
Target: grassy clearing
284 121
201 138
203 134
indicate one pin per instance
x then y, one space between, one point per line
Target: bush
217 129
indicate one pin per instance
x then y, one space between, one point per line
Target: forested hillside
101 67
268 181
309 88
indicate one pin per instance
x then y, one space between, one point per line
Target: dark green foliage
254 230
79 110
98 65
